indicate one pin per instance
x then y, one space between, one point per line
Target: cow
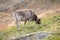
25 15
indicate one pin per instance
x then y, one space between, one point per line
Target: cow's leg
18 19
29 21
25 22
18 23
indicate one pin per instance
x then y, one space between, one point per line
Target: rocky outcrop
31 36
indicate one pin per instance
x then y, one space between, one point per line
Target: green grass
54 36
47 23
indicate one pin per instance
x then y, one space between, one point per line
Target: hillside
7 7
49 23
47 10
31 4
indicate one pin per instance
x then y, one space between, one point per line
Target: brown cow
25 15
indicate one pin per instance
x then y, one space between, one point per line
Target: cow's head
38 21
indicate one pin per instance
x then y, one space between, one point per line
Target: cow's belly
22 19
28 16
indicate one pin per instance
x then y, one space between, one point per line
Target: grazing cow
25 15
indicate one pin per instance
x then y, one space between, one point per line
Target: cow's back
25 13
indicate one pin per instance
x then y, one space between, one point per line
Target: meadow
50 22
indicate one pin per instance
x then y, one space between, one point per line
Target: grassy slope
51 22
54 27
